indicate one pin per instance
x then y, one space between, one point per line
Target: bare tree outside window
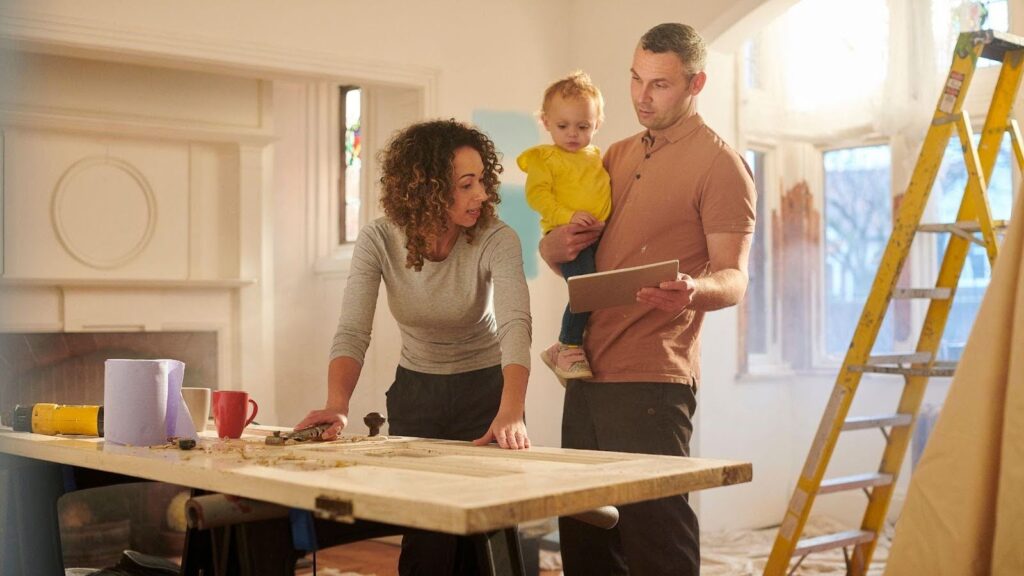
858 223
949 191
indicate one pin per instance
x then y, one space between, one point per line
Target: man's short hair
680 39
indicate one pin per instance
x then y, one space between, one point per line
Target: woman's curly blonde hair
417 181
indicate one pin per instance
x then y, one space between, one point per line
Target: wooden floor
364 558
731 553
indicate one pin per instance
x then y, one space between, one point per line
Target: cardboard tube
217 510
606 517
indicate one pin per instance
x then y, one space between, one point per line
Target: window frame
770 361
386 108
324 168
339 129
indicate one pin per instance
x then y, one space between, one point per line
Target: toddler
566 183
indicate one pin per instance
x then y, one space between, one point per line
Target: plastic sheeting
964 512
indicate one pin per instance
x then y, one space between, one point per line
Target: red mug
229 408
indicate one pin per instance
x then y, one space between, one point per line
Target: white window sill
771 373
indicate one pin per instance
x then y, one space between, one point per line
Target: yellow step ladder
973 219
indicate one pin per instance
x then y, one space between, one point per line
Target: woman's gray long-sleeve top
444 311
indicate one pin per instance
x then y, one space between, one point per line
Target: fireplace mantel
135 200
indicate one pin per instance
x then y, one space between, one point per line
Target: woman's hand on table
508 430
336 418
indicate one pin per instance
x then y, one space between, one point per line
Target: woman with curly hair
441 252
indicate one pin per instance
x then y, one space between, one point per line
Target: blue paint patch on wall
515 212
513 132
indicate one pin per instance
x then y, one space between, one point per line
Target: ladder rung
881 421
832 541
968 226
913 358
938 371
933 293
896 364
855 482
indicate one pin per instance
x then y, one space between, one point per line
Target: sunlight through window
836 52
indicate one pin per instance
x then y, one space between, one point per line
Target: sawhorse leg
257 548
499 553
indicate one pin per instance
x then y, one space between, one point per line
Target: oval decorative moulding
104 211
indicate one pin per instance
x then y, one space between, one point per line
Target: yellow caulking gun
52 419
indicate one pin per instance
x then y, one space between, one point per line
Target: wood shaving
268 455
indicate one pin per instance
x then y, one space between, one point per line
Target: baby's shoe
567 362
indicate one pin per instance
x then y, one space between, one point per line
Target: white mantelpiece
217 95
135 199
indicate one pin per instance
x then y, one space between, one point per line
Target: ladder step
913 358
966 226
933 372
932 293
855 482
832 541
883 364
964 229
880 421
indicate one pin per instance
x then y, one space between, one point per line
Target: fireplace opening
67 368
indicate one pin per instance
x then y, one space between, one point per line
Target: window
756 303
347 124
947 193
350 172
858 223
752 65
836 52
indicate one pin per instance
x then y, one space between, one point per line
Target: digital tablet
617 287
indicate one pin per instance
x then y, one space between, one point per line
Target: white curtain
836 67
833 65
914 77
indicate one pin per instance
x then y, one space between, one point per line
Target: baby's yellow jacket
559 183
